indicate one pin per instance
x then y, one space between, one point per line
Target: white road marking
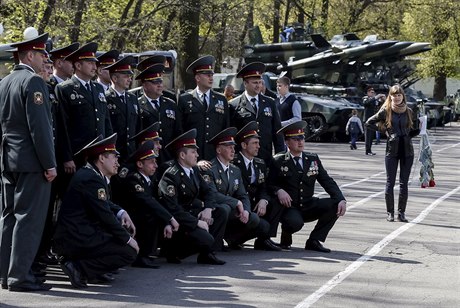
337 279
445 148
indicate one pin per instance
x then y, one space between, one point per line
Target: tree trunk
276 21
247 25
324 15
286 13
440 87
189 16
46 16
75 29
221 40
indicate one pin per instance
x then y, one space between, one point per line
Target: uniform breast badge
170 114
268 111
236 184
138 188
102 97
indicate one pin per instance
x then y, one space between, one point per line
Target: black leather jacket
399 140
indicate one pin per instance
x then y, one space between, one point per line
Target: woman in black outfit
396 120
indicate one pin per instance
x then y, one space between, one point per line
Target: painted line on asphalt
337 279
355 182
446 148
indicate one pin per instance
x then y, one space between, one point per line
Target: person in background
370 102
399 125
288 105
229 92
354 128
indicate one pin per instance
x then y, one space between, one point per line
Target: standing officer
28 165
93 235
63 69
136 195
292 178
187 196
254 172
169 67
123 107
104 60
202 108
83 109
254 106
154 107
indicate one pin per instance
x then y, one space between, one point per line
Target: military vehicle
344 66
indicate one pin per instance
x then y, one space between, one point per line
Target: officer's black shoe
370 153
235 246
103 278
267 244
209 258
286 240
76 277
29 287
391 217
402 217
4 286
173 259
315 245
144 262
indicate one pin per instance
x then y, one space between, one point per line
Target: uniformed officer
292 179
28 165
254 172
187 196
93 235
243 224
154 107
104 60
83 113
254 106
123 106
203 108
169 67
136 196
62 69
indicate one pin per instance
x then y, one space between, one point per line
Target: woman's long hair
396 89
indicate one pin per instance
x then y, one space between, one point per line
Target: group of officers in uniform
138 173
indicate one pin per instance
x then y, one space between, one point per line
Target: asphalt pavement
373 263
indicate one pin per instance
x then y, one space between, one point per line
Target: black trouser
236 231
25 202
391 166
323 210
186 243
148 230
369 136
98 260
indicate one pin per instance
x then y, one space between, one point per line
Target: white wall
426 86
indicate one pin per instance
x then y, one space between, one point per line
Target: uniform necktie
254 105
192 177
205 101
122 98
250 172
297 164
88 87
157 105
